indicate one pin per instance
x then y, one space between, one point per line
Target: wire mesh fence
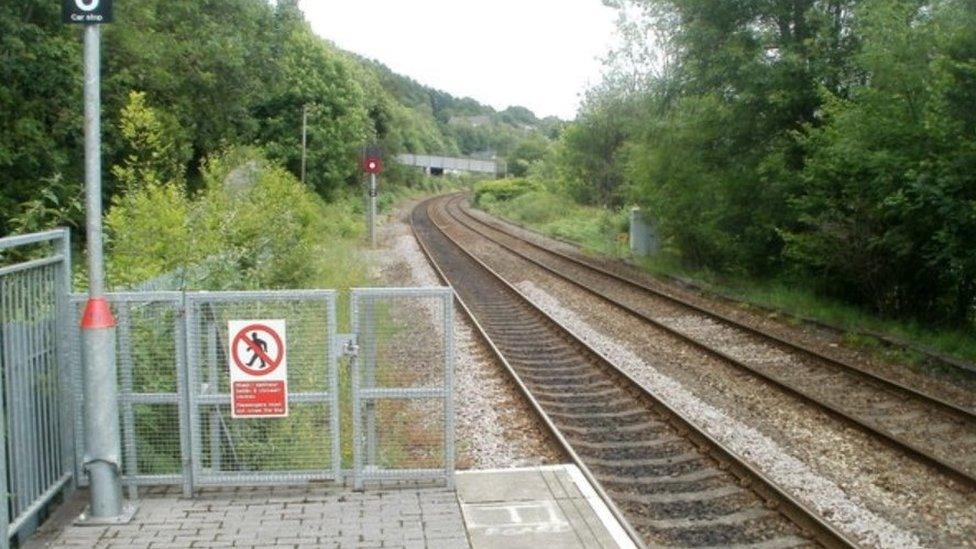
302 446
37 461
174 351
150 363
402 379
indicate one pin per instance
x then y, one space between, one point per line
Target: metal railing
37 431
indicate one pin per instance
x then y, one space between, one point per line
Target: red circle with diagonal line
272 363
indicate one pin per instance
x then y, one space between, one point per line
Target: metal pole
304 139
372 209
103 447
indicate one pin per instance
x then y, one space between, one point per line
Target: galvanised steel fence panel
301 447
402 384
35 428
150 352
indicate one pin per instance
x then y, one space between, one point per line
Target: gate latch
348 346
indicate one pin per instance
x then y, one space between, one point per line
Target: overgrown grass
604 231
595 229
803 303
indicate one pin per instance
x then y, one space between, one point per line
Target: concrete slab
551 506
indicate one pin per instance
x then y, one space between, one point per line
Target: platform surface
542 507
549 507
313 516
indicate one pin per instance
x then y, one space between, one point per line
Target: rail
948 465
796 511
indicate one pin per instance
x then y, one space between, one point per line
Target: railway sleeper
750 527
594 415
583 403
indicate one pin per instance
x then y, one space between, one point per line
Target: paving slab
307 516
547 507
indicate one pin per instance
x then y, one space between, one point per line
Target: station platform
548 507
539 507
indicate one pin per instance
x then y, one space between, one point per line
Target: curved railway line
672 483
937 431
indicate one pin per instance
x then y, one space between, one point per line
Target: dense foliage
830 143
204 75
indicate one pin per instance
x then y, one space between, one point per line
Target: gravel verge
495 426
791 473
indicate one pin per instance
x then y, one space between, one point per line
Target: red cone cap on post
98 314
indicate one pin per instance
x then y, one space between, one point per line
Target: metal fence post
448 313
333 374
130 458
4 493
357 420
183 396
212 388
188 387
68 462
369 375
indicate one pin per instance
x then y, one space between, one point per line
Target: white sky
542 54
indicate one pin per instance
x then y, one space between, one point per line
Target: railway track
936 431
672 483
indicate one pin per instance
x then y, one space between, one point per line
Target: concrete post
101 406
643 240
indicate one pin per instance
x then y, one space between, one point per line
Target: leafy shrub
149 233
503 189
254 225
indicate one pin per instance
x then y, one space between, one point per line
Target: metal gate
174 390
402 379
301 447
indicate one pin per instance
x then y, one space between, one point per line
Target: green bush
503 189
554 213
254 225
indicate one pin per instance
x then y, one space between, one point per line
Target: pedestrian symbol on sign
258 368
255 354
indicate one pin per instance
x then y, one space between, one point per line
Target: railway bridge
438 165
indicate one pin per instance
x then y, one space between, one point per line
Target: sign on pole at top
86 12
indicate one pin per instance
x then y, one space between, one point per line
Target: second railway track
937 431
674 484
